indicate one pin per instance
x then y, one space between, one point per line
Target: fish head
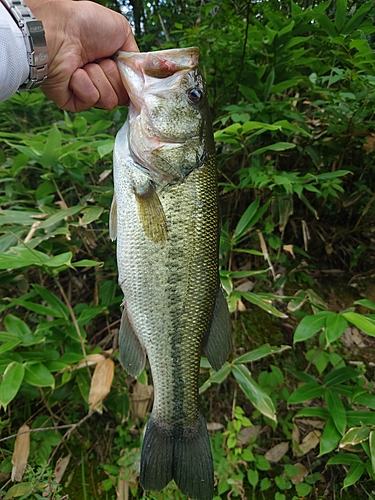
169 126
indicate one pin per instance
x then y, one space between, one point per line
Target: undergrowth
291 413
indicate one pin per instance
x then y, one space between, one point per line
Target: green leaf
356 417
313 412
260 352
52 148
355 436
16 326
106 147
354 474
91 214
330 438
358 17
372 449
269 83
253 392
245 223
279 146
335 327
262 463
52 300
87 263
37 374
9 345
265 484
344 459
362 302
361 322
340 16
253 477
262 303
249 93
340 375
336 408
63 259
303 489
18 490
11 383
310 325
327 25
79 125
32 306
59 216
307 391
217 377
22 257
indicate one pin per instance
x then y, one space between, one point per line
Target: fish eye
194 95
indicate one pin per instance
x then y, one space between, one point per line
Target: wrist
33 34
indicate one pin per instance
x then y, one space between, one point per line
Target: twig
72 315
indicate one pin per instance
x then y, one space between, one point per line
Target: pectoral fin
218 343
151 214
132 353
113 219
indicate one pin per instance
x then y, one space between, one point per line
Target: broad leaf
254 392
11 383
310 325
330 438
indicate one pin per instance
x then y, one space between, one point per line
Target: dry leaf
60 468
140 399
315 424
369 145
290 249
276 453
309 442
246 286
298 478
122 489
90 360
21 453
266 256
101 382
241 306
104 175
214 426
295 433
248 433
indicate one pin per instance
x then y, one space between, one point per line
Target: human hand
81 38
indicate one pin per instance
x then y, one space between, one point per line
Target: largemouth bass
165 217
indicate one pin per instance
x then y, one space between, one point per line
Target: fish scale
165 218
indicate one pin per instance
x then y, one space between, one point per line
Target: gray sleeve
14 66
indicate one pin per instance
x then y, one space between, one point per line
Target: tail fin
182 453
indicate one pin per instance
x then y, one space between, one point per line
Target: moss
256 327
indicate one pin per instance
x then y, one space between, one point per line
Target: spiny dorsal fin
151 214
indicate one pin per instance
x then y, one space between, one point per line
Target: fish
165 217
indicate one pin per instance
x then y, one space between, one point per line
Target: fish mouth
134 66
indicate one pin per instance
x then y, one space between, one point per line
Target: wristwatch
35 40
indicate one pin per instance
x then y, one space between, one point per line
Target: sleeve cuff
14 65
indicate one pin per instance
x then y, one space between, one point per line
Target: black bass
165 217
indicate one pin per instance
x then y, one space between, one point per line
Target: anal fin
217 345
151 214
132 353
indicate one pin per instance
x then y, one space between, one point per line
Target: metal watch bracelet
33 34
